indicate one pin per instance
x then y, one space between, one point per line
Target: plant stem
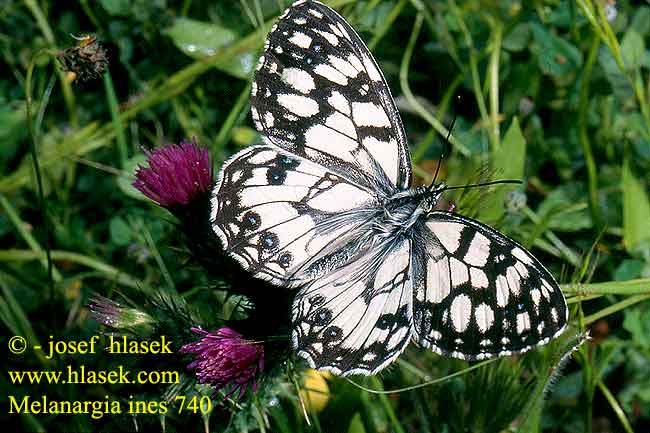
596 16
621 305
89 13
630 287
44 26
107 270
387 24
120 136
39 180
403 79
620 414
397 427
228 125
583 107
27 236
473 68
497 34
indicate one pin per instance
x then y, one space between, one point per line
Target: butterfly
326 205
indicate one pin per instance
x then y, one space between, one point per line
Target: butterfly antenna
496 182
444 153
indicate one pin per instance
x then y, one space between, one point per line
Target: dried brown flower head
85 61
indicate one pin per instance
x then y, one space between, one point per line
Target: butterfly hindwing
358 319
319 94
478 294
283 217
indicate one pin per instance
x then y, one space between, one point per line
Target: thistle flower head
177 174
225 359
113 314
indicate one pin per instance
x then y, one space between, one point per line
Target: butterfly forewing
358 319
318 93
285 218
478 294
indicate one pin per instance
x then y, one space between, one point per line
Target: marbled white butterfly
327 205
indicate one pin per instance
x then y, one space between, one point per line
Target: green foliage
508 163
636 212
553 92
198 40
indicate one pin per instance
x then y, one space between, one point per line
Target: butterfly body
326 206
405 209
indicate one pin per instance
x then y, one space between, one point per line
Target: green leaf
356 425
555 56
517 39
645 59
641 21
117 7
631 125
125 183
629 269
617 79
560 16
508 162
371 20
636 324
13 130
565 209
569 386
632 48
199 39
510 157
636 211
119 231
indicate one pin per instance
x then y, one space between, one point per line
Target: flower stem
42 22
616 407
27 236
39 180
120 136
497 34
583 107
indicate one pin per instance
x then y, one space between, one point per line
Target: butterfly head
430 195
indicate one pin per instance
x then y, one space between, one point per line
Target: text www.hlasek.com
81 375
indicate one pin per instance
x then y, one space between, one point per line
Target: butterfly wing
357 320
319 94
284 218
478 294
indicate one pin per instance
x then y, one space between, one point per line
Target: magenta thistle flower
177 173
225 359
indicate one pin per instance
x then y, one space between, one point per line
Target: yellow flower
315 392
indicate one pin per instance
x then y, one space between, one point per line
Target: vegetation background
554 92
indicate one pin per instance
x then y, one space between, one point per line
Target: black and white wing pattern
325 205
320 102
357 320
284 218
319 94
478 294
